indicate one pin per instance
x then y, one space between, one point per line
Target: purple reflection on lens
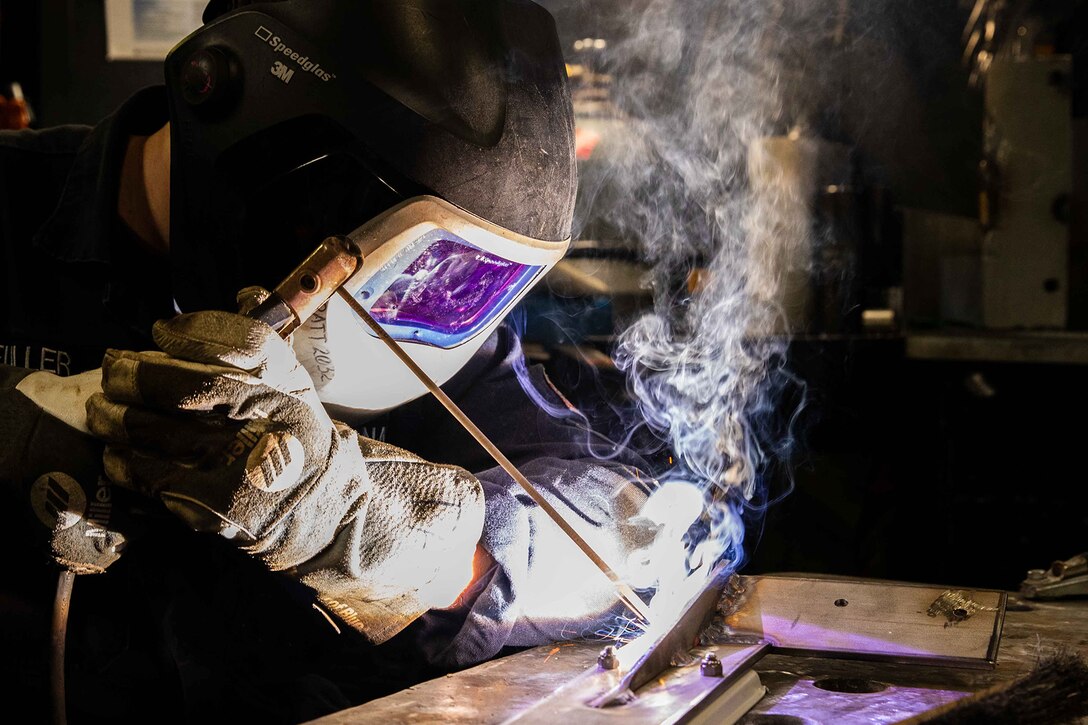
448 288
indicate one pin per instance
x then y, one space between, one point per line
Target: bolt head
608 659
711 666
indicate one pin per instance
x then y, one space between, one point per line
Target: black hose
60 628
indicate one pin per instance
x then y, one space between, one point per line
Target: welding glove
224 426
55 466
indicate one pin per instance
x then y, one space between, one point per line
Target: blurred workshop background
943 334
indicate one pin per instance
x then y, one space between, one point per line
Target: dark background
958 473
57 50
944 472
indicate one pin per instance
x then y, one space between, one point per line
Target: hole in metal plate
851 685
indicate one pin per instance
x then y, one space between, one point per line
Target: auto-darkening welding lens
447 292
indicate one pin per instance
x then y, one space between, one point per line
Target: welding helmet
437 133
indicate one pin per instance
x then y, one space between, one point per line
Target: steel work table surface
497 690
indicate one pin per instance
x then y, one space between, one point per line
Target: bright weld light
673 508
665 610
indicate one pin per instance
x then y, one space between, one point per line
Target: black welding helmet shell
296 119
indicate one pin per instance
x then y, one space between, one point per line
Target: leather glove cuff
408 550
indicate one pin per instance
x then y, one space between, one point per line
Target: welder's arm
533 585
224 427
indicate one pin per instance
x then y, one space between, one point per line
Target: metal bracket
1067 578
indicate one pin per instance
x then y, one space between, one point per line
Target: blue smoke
708 170
600 439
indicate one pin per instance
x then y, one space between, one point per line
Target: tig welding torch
309 286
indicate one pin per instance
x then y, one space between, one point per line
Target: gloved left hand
224 426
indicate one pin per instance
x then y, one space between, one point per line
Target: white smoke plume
705 86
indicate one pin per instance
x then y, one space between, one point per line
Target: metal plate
679 695
886 622
675 641
873 620
808 702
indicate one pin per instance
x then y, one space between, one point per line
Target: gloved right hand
224 427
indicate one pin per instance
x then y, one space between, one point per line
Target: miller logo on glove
56 468
225 428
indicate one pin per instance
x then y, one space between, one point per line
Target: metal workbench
497 690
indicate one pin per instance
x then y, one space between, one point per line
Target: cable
60 628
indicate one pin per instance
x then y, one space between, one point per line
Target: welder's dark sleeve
535 586
20 426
